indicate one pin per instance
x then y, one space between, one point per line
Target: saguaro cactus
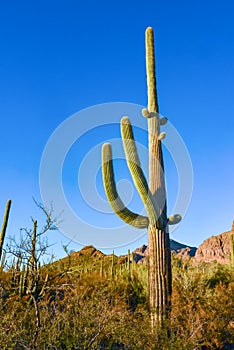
4 225
153 195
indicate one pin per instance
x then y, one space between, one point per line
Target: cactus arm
163 120
137 173
115 201
161 136
174 219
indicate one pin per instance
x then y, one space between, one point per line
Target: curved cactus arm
161 136
115 201
174 219
137 173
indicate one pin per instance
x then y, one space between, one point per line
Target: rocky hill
216 248
89 255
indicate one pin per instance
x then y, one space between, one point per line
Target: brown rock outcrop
88 250
216 248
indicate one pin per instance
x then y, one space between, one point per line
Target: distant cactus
128 260
232 249
3 260
232 246
4 225
101 268
33 258
152 195
23 281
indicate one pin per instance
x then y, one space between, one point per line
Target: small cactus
23 281
3 260
101 268
112 264
4 226
232 245
128 261
232 249
33 259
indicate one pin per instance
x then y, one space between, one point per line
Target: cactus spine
153 195
4 225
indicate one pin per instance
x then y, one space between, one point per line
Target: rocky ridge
216 248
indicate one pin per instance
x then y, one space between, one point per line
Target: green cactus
101 268
33 259
112 269
153 195
128 263
18 263
232 245
133 266
3 260
4 225
23 281
232 249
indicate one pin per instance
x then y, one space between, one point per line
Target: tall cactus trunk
158 239
159 277
4 225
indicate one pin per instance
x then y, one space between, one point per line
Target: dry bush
202 311
87 311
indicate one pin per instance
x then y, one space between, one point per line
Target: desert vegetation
89 300
95 303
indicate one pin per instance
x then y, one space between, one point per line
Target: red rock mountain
216 248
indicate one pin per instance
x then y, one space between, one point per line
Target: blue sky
59 57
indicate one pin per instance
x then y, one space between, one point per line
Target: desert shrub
202 310
90 311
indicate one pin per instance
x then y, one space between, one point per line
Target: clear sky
59 57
